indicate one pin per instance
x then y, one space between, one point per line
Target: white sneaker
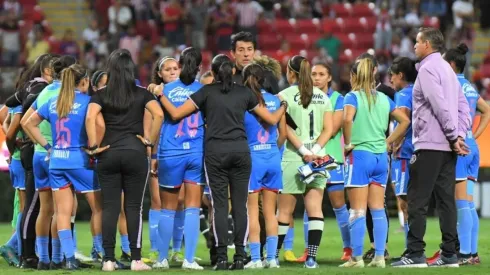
139 266
270 264
108 266
353 264
191 266
82 258
161 265
254 265
378 262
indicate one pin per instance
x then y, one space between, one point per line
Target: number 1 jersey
184 136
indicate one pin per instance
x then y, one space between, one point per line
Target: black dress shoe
237 265
222 265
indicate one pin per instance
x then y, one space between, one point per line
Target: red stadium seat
269 42
33 13
28 3
313 38
364 40
307 25
54 45
264 26
487 59
297 41
352 25
485 70
331 25
341 10
431 22
361 9
350 55
345 40
143 28
283 26
368 23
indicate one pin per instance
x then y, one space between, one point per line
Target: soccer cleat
177 257
270 263
465 261
404 254
30 263
377 262
311 263
191 266
10 256
221 265
289 256
108 266
254 265
444 261
434 257
303 257
475 260
71 264
139 266
125 257
55 266
410 262
43 266
347 254
161 265
79 256
369 255
237 265
353 264
153 256
95 255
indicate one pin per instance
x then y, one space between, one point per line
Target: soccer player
266 176
322 77
180 161
403 75
467 166
68 163
311 110
366 117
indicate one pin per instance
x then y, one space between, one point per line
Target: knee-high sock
153 219
342 216
66 239
18 232
178 232
12 242
315 230
271 246
191 232
305 228
282 231
125 243
255 251
475 229
97 243
288 240
165 230
42 243
380 230
357 228
57 256
465 222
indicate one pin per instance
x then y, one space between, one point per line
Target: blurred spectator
248 13
36 45
172 16
91 34
399 23
383 28
142 9
163 49
412 18
433 7
10 41
330 44
102 49
301 9
462 11
284 53
198 14
268 5
223 20
12 7
132 43
68 45
119 17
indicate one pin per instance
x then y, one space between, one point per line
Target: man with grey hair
440 118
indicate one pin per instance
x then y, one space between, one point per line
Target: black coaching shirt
123 126
225 114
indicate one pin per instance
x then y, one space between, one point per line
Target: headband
97 78
291 67
163 61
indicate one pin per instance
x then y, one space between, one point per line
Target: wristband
47 146
316 148
153 156
304 152
93 148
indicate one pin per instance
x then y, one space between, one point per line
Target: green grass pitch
328 255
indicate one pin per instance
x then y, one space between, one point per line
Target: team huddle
226 140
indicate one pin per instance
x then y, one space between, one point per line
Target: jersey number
311 125
63 133
192 125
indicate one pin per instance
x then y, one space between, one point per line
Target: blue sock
305 228
465 222
406 234
165 230
288 240
153 218
380 231
18 232
271 246
191 232
357 228
475 228
12 242
125 243
342 216
255 251
42 244
97 243
178 232
66 240
56 255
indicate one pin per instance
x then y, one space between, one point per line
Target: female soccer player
180 161
227 155
467 167
403 75
67 160
311 110
366 116
322 77
124 163
266 176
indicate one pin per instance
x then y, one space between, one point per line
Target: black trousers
233 170
127 171
432 171
31 205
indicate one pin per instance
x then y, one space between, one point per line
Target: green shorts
292 183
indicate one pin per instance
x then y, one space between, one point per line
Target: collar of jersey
330 91
460 75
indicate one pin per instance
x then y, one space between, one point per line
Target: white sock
401 218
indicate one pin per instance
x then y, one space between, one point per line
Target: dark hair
458 56
71 77
244 37
253 77
42 62
222 69
302 69
189 61
328 68
120 88
157 66
434 36
406 66
61 63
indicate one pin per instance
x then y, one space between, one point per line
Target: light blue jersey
403 99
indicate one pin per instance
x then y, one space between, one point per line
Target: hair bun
462 48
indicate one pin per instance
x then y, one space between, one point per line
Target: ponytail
70 78
254 79
190 60
305 83
225 76
364 79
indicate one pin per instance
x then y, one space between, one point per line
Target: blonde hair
269 63
363 79
70 78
